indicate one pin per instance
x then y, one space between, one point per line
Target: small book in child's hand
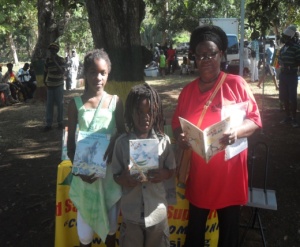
90 149
143 157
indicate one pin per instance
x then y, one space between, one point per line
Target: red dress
218 183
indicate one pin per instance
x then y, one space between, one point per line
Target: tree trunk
12 48
115 26
48 31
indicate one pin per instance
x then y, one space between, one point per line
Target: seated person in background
32 75
25 78
15 85
4 88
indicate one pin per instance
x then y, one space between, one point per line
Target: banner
65 222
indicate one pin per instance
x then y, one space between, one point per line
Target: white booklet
206 143
237 113
143 157
90 149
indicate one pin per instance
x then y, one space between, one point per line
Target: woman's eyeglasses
207 56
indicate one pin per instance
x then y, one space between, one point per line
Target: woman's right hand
182 141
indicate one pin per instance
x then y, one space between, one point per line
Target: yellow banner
65 222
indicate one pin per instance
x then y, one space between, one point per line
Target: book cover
90 149
143 157
205 143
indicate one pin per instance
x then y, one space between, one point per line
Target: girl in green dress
96 199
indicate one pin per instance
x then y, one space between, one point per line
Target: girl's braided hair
141 92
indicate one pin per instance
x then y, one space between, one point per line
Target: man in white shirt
24 77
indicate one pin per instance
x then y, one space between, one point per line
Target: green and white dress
94 201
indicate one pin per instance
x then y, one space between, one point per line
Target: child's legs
131 234
113 215
85 232
157 235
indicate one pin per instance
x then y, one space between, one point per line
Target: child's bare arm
72 123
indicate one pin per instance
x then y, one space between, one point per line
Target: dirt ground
29 159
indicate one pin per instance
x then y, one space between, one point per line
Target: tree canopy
26 27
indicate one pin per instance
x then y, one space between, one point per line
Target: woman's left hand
229 138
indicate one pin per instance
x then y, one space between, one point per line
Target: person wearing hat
289 60
54 71
220 184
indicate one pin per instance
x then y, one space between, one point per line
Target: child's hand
126 180
88 178
159 175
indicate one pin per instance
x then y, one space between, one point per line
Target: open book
206 142
143 157
90 149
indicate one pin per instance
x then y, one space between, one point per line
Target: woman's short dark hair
208 33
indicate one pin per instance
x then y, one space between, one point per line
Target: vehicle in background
183 47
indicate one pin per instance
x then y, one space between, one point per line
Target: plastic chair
259 198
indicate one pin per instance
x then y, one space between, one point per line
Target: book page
237 112
90 149
194 136
212 136
143 157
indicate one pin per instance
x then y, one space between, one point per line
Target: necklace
205 86
209 81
